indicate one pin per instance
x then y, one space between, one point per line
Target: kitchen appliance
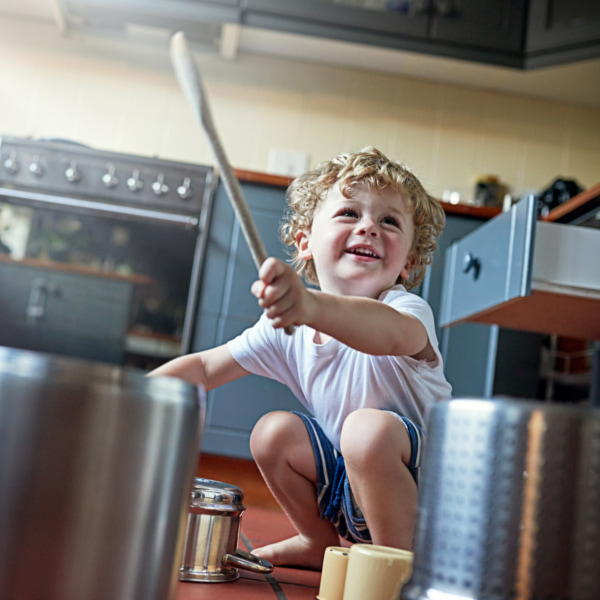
210 553
96 463
509 503
102 251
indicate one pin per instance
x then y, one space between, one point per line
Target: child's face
360 245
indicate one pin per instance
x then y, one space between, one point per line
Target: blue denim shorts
334 495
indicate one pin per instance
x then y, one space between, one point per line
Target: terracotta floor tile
302 577
242 589
262 526
299 592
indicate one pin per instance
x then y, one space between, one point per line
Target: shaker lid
216 495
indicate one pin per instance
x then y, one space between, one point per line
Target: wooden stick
190 81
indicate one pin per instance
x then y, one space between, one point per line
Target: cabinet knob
471 263
38 294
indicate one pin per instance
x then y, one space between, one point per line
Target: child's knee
271 432
369 434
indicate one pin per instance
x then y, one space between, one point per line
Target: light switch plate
287 162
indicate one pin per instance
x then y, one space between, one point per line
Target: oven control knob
159 187
134 183
35 168
110 179
185 191
73 174
11 164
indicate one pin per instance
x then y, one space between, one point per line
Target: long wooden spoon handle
190 81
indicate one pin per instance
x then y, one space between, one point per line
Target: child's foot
297 551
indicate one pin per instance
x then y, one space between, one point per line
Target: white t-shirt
332 380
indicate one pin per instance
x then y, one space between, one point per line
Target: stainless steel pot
95 469
509 503
211 554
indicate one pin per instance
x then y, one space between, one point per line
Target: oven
100 252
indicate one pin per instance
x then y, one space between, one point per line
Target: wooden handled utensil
190 81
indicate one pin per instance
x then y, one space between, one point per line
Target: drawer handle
472 263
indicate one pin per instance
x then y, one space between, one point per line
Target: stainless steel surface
66 168
95 206
121 215
509 503
95 471
210 553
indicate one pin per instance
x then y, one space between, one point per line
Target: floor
262 522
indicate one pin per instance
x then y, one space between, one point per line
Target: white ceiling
574 83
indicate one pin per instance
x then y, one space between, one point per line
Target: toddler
363 358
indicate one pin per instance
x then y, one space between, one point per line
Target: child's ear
304 251
409 265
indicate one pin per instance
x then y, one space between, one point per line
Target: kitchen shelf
53 265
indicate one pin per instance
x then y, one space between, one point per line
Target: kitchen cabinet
513 33
528 275
63 313
226 308
567 24
468 24
480 360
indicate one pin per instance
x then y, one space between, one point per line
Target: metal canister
210 553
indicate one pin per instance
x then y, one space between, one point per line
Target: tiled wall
122 96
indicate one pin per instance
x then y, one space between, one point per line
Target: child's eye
391 221
348 212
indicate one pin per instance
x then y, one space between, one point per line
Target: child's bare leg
283 452
376 449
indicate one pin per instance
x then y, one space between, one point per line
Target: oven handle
105 207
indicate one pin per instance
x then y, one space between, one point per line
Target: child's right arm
210 368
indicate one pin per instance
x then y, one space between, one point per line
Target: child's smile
362 244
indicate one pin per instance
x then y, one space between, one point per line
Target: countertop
481 212
75 269
583 203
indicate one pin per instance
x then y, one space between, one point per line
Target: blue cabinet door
226 308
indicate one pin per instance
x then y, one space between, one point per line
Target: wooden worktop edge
481 212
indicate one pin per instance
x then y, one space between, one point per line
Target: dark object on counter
96 464
559 192
489 191
508 504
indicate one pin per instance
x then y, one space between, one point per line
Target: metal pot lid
209 494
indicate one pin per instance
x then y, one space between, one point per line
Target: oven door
97 280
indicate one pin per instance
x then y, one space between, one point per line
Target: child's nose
368 227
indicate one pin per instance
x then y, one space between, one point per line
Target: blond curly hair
372 169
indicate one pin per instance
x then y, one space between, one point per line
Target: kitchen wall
119 93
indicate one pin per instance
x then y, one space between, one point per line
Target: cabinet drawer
523 274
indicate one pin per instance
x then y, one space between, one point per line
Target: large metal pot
509 503
96 464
